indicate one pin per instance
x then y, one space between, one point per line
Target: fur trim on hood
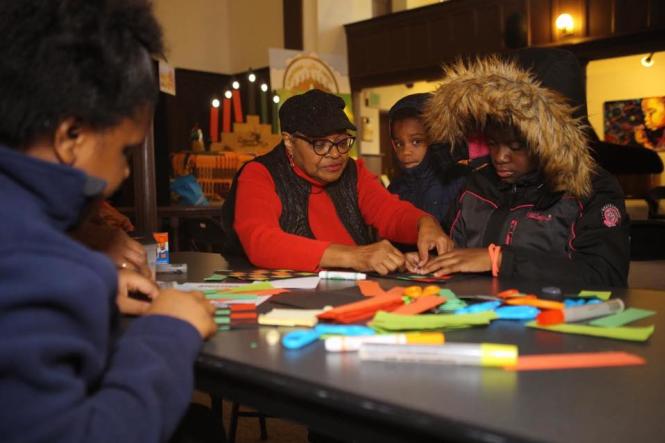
472 91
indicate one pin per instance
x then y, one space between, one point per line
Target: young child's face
654 112
509 152
409 141
104 153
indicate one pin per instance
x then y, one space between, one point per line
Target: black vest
293 192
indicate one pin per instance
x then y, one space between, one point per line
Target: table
369 401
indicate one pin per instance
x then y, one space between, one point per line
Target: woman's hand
431 236
381 257
130 281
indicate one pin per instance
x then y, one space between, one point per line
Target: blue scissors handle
300 338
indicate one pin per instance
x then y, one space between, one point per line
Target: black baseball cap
315 114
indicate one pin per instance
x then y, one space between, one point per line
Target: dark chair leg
262 424
217 406
233 427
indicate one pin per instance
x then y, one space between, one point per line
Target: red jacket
258 209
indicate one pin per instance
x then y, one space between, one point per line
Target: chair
237 413
656 201
203 234
647 240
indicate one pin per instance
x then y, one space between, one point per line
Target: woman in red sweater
306 205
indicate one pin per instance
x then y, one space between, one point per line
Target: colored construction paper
396 322
622 333
420 305
215 277
362 310
290 317
229 296
370 288
603 295
622 318
575 360
297 283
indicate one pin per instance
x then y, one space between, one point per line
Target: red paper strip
362 310
543 362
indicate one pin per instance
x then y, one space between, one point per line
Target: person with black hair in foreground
543 209
77 90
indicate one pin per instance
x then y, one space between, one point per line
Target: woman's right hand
191 307
381 257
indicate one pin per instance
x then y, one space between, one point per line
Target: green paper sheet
395 322
229 296
622 318
215 277
448 293
603 295
623 333
452 302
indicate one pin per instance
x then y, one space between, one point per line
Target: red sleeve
395 219
257 213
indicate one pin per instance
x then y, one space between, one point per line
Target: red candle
226 117
214 121
237 107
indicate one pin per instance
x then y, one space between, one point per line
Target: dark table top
396 401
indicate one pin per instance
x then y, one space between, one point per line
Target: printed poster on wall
636 122
294 72
166 78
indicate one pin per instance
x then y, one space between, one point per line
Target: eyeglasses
322 146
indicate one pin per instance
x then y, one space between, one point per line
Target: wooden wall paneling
489 29
657 14
514 13
540 22
396 49
440 31
418 49
464 30
631 16
600 16
293 38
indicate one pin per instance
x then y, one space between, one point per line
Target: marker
344 344
473 354
341 275
579 313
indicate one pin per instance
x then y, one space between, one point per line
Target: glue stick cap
552 317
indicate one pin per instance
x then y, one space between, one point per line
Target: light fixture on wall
565 24
647 60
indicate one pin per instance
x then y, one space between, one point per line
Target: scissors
302 337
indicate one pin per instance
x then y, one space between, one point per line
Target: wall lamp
565 24
647 60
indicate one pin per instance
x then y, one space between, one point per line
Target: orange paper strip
421 304
370 288
544 362
530 300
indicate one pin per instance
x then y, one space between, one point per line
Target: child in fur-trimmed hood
542 209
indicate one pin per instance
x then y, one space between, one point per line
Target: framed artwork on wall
636 122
